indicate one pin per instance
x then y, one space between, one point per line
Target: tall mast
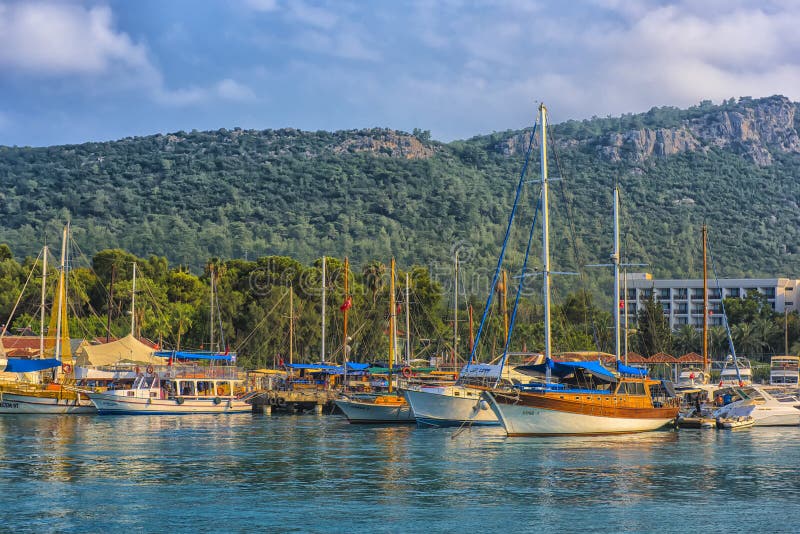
545 237
392 325
61 293
455 312
408 325
111 302
705 301
322 348
345 308
291 324
471 335
211 307
133 302
625 315
615 261
44 290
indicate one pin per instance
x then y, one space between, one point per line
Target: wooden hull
114 404
13 403
370 412
532 414
440 406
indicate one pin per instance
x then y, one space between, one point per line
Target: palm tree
373 274
687 339
745 338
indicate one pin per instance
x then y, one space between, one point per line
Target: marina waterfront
246 472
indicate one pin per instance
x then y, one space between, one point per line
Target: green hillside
372 193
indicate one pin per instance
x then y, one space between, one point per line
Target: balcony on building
680 293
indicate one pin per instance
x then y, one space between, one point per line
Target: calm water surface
247 472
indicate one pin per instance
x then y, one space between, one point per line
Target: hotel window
681 320
647 293
697 309
680 293
681 308
666 307
715 293
697 292
663 293
631 293
769 292
734 292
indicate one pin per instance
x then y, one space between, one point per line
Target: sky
74 71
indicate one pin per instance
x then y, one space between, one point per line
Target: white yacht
784 371
736 372
766 409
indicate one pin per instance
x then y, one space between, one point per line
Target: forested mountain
283 198
372 193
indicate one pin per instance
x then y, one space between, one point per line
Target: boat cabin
784 371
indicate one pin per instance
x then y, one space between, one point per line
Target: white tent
125 350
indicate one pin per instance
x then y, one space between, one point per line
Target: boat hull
112 404
371 413
441 407
12 403
542 417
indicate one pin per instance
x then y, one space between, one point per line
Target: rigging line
576 250
505 244
519 287
262 321
724 314
19 298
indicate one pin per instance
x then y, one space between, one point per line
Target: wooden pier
294 401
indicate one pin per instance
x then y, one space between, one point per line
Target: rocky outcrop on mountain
384 142
755 129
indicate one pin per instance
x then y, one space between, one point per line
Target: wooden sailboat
389 407
48 396
587 398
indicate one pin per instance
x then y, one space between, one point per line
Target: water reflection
321 474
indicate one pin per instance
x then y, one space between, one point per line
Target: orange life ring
67 368
149 369
406 372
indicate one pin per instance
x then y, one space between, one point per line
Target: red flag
621 304
347 304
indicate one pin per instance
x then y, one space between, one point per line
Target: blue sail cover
562 369
196 355
20 365
630 371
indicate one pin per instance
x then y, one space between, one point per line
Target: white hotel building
682 300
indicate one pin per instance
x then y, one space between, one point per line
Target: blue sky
75 71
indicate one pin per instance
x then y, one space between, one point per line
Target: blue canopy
196 355
20 365
628 370
562 369
319 366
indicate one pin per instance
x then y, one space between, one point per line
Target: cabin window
186 388
205 387
223 388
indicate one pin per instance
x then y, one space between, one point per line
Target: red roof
691 357
21 342
662 358
634 357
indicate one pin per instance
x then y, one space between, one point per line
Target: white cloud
313 16
262 5
55 39
233 90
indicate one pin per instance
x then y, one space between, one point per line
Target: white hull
439 406
368 412
11 403
521 420
114 404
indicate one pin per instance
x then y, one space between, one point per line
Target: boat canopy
21 365
196 355
564 369
629 370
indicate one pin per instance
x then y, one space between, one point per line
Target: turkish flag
347 304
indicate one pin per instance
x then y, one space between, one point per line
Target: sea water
241 473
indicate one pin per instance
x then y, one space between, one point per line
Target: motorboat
765 408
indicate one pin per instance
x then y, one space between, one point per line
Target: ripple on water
319 474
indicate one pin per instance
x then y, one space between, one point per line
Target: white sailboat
389 407
588 398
